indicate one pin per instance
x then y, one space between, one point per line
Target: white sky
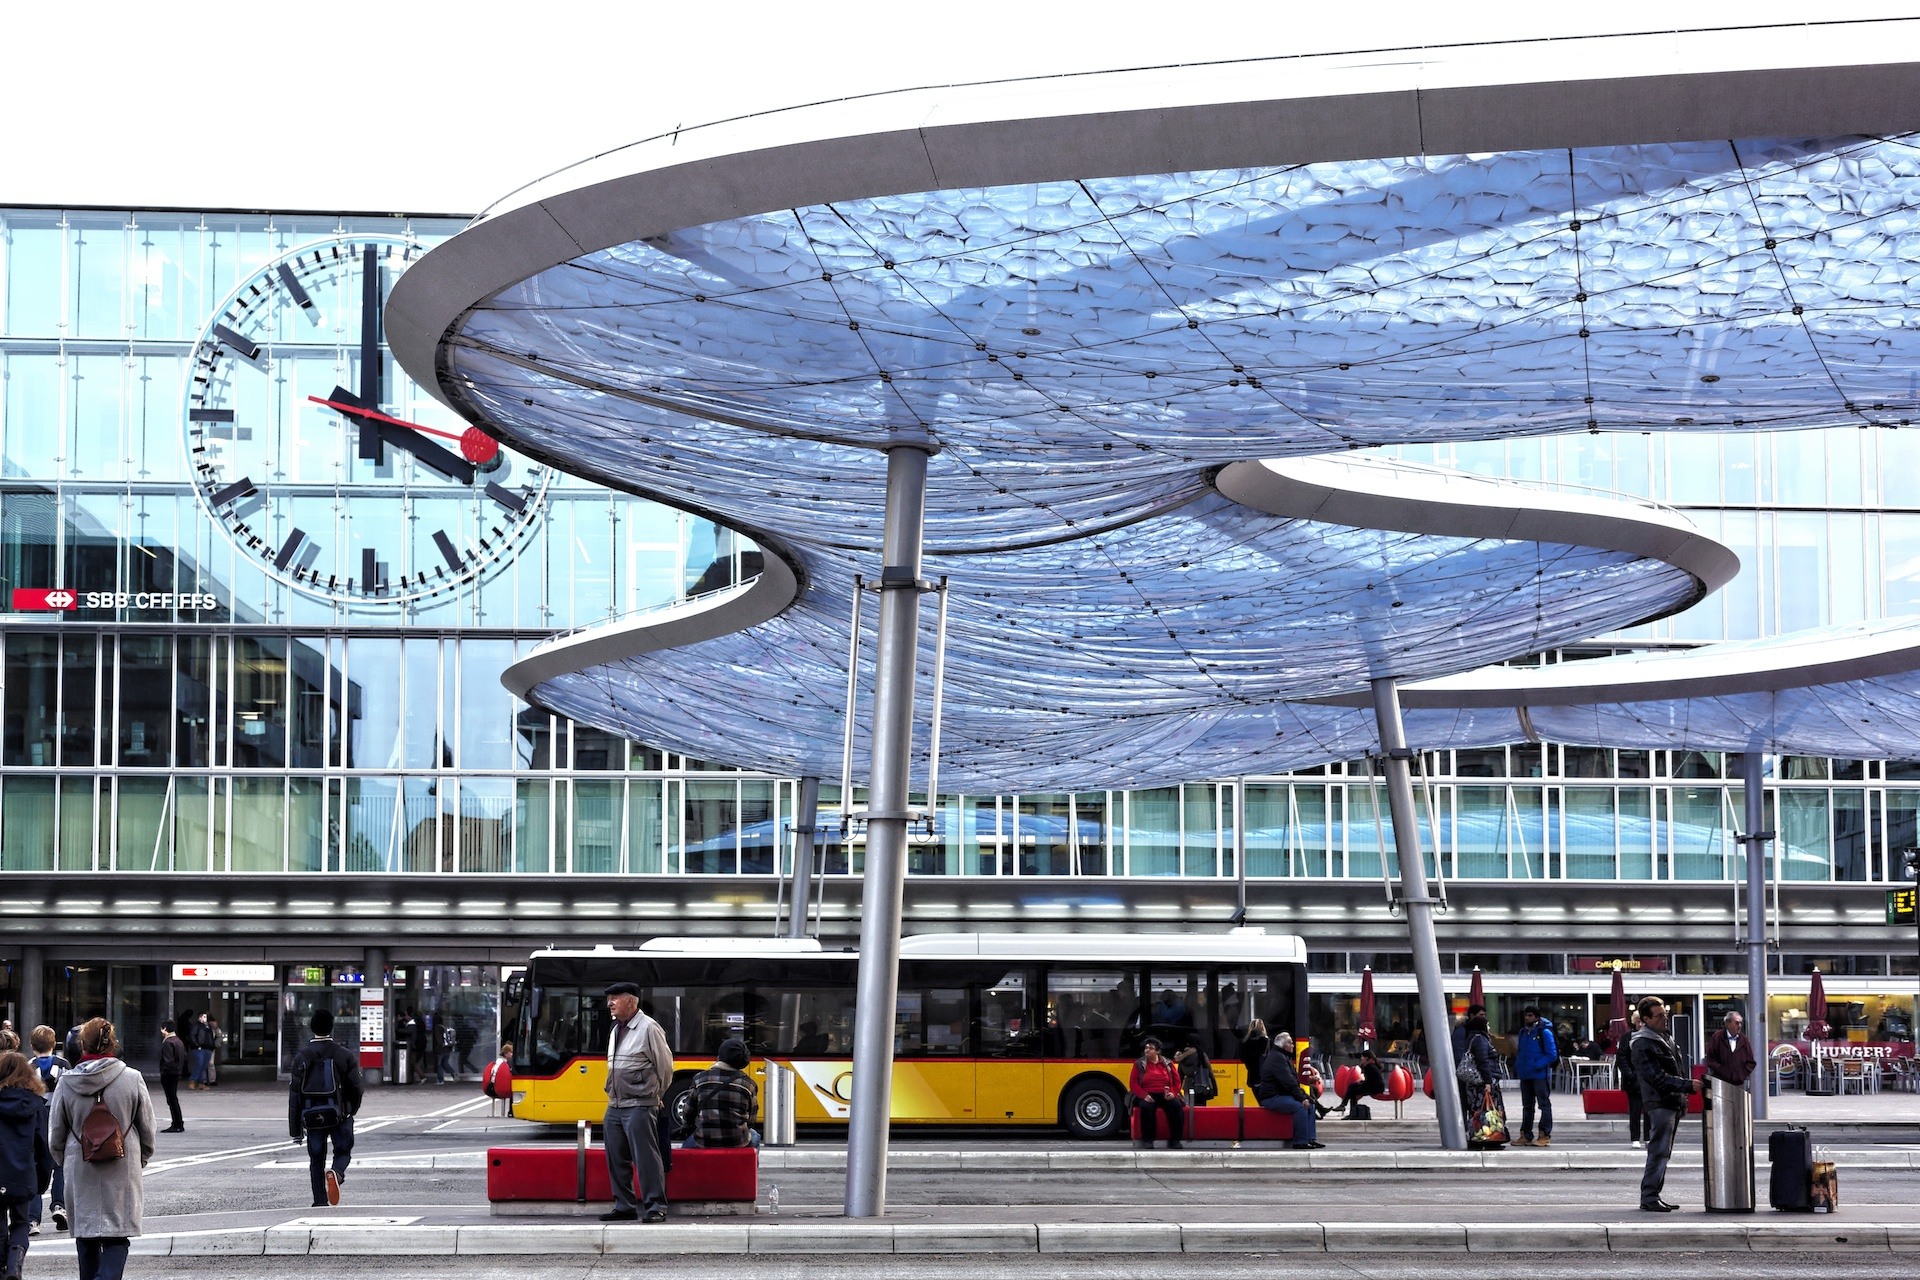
404 106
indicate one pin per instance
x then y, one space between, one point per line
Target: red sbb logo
42 598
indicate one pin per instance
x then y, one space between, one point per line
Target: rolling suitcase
1790 1185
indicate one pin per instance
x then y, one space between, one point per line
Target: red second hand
475 445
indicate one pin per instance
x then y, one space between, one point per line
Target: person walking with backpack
322 1100
26 1161
1534 1058
173 1059
103 1131
51 1067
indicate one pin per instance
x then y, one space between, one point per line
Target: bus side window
1087 1009
1006 1022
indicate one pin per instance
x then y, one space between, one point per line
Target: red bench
1613 1102
699 1175
1224 1124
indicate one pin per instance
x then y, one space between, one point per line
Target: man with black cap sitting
639 1068
324 1096
724 1099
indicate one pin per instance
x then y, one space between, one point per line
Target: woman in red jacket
1155 1087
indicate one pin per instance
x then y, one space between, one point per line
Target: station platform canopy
1148 340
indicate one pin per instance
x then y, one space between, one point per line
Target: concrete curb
1690 1233
1332 1160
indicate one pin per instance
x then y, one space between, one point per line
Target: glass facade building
195 715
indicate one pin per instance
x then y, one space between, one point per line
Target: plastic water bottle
773 1200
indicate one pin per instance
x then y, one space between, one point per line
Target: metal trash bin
1727 1140
778 1127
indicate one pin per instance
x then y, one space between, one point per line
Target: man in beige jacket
639 1068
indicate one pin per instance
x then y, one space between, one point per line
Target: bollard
778 1111
1240 1116
580 1162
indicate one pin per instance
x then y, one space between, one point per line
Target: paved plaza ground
1380 1200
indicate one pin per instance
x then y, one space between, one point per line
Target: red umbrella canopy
1368 1029
1817 1028
1477 993
1617 1010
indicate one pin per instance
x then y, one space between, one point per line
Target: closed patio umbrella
1817 1028
1477 993
1617 1011
1368 1031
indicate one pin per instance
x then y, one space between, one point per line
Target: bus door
1007 1079
933 1070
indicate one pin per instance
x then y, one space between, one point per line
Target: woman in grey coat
104 1197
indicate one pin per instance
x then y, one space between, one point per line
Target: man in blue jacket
1534 1056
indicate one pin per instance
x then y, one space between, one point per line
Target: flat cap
624 989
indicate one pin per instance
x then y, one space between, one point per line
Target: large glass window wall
276 733
260 752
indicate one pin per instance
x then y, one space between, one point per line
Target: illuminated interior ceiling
1098 361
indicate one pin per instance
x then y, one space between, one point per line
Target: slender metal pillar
1419 907
806 817
1240 849
887 793
30 978
1752 768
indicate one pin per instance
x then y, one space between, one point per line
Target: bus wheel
1092 1109
679 1106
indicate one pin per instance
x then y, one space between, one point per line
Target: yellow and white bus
1008 1029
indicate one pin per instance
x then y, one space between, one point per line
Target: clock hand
424 451
476 446
370 369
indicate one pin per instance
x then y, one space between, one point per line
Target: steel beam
1753 773
887 793
806 818
1414 897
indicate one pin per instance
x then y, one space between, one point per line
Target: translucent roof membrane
1085 354
1850 691
1168 650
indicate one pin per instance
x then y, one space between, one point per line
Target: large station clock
340 479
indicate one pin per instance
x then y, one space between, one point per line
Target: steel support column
1756 837
806 817
1419 908
30 978
887 794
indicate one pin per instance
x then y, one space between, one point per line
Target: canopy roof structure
1100 319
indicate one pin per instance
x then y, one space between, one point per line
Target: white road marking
238 1153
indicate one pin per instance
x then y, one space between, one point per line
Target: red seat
714 1173
1224 1124
1613 1102
552 1173
1399 1086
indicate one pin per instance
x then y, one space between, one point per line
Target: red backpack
497 1080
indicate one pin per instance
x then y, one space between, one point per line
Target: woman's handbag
1467 1072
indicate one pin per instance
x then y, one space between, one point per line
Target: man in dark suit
1730 1053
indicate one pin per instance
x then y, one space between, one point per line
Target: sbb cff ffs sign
59 599
1900 906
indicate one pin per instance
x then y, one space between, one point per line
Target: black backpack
1197 1072
320 1108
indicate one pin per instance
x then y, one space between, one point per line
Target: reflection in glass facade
272 732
